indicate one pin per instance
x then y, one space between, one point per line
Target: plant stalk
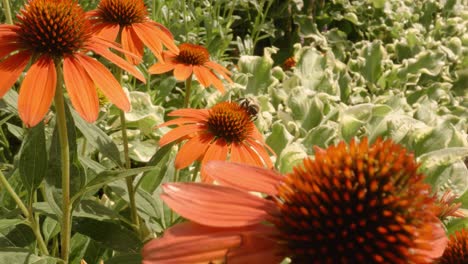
7 9
32 222
188 90
129 180
65 160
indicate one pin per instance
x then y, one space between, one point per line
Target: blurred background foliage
391 69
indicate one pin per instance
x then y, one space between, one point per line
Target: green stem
188 90
31 221
65 160
129 180
6 7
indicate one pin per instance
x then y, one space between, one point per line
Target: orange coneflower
457 249
351 204
192 59
224 130
130 18
47 33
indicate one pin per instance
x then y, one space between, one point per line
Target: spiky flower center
355 204
123 12
55 27
457 249
192 54
228 120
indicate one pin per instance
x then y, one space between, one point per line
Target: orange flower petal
219 69
192 150
160 67
202 75
218 150
191 243
150 36
182 71
131 42
7 47
10 70
105 81
254 178
81 89
257 249
201 114
217 83
108 31
216 206
100 46
169 42
180 121
260 149
37 91
251 157
178 133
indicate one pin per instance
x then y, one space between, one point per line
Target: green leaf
259 72
84 248
108 177
17 255
108 234
373 55
33 158
95 210
53 180
50 228
5 223
279 137
98 139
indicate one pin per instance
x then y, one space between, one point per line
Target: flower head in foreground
224 130
130 18
457 249
48 33
192 59
351 204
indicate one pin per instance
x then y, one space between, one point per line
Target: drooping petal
37 91
81 89
7 47
178 133
180 121
243 176
218 150
192 150
182 71
217 83
101 47
132 43
191 243
202 75
154 32
202 114
258 249
150 37
170 40
219 69
105 81
251 156
160 67
260 149
10 70
216 206
108 31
